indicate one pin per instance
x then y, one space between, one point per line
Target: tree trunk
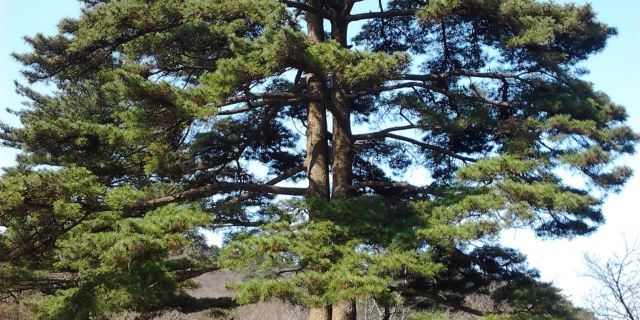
320 313
317 159
342 143
342 161
317 149
342 140
344 311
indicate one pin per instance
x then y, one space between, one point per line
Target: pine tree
173 116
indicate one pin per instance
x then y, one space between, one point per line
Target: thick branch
392 185
190 273
382 133
57 280
381 15
256 100
284 176
348 5
306 8
380 89
459 72
222 187
238 110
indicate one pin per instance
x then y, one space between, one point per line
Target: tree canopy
290 125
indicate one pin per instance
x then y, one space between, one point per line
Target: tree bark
317 158
323 313
342 141
317 147
344 310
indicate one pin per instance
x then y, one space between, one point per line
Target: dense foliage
173 116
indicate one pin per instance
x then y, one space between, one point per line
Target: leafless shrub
617 295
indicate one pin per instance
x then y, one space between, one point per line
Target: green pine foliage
164 112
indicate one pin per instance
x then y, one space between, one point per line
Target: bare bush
617 295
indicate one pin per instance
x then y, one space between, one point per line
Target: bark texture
317 160
344 311
317 149
320 313
342 142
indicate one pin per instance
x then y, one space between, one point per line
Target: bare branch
618 293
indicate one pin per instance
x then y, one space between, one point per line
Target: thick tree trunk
317 149
320 313
317 160
342 161
342 143
344 311
342 138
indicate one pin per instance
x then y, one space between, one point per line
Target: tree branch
476 95
392 185
256 100
381 15
431 147
380 89
459 72
306 8
284 176
348 5
222 187
382 135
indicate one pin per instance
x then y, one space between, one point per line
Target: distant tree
617 295
166 113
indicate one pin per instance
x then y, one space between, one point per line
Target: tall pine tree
170 116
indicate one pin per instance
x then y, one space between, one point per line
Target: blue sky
615 71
